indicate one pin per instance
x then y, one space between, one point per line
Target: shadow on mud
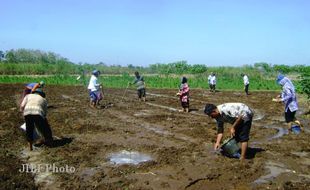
56 142
251 152
193 109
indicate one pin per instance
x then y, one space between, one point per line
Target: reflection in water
275 170
281 132
127 157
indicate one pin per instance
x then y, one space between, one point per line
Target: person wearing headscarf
31 87
184 94
288 97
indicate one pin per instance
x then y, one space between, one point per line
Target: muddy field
169 150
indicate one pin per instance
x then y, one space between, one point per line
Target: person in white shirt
213 82
209 82
246 83
94 88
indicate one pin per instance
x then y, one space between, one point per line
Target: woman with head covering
184 95
288 97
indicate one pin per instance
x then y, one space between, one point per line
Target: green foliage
58 70
305 81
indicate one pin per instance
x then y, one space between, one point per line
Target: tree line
37 62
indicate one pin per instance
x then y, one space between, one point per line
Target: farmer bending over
95 89
237 114
31 87
139 82
34 108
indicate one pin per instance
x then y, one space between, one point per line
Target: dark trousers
213 87
41 124
246 89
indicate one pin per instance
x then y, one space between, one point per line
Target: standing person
209 81
237 114
288 97
246 83
34 108
31 87
139 82
213 82
184 95
95 89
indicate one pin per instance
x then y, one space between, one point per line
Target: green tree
305 81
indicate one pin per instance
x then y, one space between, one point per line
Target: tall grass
154 81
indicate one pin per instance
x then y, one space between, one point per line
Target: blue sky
144 32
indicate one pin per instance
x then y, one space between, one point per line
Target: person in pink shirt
184 95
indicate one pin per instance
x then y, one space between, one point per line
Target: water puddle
156 130
174 109
128 157
275 169
165 107
35 166
281 132
258 115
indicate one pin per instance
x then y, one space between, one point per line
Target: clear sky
143 32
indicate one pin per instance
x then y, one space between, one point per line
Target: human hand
178 94
232 132
216 146
276 99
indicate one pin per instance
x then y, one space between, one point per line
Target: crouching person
34 108
237 114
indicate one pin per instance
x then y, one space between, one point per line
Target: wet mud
127 144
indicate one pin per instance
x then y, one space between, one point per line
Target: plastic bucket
295 129
230 147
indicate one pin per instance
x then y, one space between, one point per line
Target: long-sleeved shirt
288 95
93 84
246 80
230 112
184 92
34 104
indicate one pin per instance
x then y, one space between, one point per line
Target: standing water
127 157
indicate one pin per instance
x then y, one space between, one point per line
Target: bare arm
23 104
235 126
218 141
